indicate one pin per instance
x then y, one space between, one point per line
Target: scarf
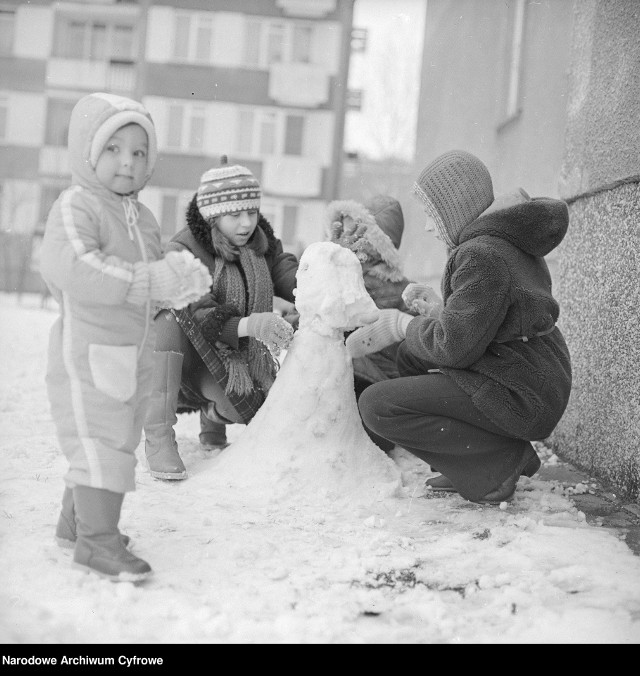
251 364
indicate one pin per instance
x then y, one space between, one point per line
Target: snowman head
330 294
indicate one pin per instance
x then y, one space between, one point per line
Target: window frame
513 63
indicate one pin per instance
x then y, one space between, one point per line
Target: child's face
238 227
430 226
122 165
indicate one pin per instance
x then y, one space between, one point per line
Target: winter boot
160 439
213 435
99 547
66 528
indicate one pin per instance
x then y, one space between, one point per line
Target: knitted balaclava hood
454 190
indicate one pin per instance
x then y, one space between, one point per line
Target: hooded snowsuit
504 370
101 346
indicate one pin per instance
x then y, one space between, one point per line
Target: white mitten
178 278
139 290
389 328
421 299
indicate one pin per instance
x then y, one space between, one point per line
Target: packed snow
237 564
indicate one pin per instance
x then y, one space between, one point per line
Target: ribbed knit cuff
403 323
139 290
229 333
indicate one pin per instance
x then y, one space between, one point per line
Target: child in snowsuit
373 231
218 356
489 372
101 259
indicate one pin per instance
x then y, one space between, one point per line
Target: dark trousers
430 416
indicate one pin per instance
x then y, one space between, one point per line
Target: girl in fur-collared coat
218 355
373 231
491 371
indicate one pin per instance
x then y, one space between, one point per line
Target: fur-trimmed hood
364 235
214 242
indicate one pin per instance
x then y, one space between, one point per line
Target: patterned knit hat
226 190
454 189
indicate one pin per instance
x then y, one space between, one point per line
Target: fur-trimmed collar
388 266
214 242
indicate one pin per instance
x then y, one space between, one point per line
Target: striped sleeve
72 259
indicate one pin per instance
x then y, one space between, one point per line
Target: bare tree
390 83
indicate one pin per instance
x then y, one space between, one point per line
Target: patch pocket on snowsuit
113 369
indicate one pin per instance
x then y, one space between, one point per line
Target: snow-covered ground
233 566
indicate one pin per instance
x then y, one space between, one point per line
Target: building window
58 116
267 41
267 133
4 118
294 132
186 128
48 195
513 61
261 132
289 223
193 37
7 30
94 40
169 217
301 44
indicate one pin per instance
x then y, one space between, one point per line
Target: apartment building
261 81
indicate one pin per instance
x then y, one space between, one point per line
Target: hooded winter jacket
101 346
496 336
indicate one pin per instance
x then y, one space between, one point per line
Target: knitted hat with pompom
227 189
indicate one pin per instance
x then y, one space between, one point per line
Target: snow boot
160 444
213 435
99 547
66 527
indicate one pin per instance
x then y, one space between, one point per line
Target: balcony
117 76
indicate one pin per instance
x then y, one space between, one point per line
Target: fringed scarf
242 284
251 364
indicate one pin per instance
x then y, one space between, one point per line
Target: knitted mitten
179 278
270 329
139 289
389 328
421 299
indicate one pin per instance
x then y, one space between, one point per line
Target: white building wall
326 45
159 34
33 35
311 221
26 119
228 39
318 136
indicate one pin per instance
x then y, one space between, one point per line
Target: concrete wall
599 260
576 136
462 99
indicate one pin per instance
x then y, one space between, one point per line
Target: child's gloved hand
347 232
271 329
178 278
292 317
421 299
389 328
